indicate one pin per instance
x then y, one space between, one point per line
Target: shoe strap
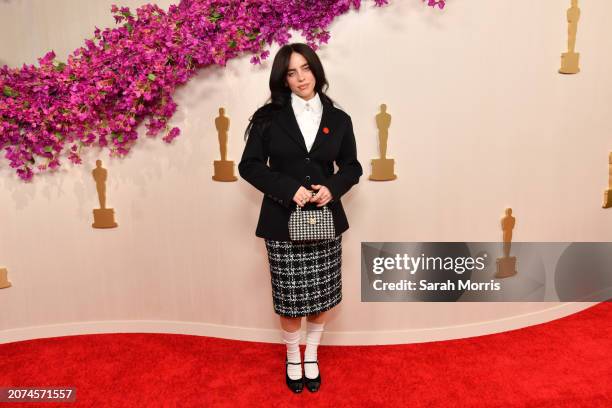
288 362
311 362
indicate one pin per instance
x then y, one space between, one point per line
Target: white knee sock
292 340
313 338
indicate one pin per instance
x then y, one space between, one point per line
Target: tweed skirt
306 276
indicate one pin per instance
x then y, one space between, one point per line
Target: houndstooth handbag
307 225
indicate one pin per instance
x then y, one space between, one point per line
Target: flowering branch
128 73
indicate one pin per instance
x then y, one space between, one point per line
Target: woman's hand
322 197
302 196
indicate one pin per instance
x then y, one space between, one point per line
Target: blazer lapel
325 123
288 121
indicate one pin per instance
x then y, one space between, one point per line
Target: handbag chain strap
299 208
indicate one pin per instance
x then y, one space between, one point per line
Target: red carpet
564 363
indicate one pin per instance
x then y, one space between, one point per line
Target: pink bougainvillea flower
171 135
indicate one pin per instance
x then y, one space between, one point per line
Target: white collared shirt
308 114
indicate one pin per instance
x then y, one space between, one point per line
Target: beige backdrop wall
481 121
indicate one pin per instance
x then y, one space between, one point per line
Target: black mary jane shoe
313 384
294 385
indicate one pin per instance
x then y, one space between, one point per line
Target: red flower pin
325 130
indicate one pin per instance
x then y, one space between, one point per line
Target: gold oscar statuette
506 266
383 168
224 169
608 193
4 282
103 217
570 59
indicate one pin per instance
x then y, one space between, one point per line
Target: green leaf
232 44
214 16
60 66
48 149
151 76
9 92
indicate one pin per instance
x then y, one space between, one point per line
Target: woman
302 134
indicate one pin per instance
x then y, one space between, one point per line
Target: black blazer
292 166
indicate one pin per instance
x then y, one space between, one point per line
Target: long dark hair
280 94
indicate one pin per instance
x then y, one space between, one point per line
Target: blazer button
307 178
307 160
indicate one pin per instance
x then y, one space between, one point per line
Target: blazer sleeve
349 168
253 168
